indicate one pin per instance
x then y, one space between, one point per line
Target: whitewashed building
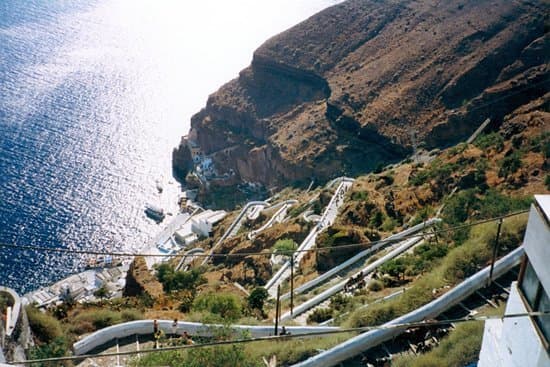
525 341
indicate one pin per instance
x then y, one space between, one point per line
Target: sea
94 96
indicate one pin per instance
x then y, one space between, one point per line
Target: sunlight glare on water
94 95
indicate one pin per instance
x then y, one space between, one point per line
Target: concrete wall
537 244
514 341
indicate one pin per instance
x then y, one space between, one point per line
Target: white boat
154 212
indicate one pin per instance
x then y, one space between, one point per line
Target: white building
202 223
525 341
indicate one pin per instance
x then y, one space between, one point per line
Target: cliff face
348 88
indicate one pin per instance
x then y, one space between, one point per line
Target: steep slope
364 81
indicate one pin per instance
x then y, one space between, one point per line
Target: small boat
154 212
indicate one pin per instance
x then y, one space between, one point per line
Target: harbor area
108 274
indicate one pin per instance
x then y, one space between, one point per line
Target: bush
458 349
547 182
228 356
388 224
359 195
375 286
492 140
377 219
437 170
219 356
44 326
394 268
226 305
257 298
319 315
339 302
509 164
459 263
176 280
285 246
56 348
101 318
467 202
187 298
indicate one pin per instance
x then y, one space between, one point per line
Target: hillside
497 174
364 82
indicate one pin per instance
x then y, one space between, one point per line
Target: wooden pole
277 310
495 252
291 284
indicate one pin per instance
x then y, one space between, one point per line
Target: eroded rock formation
348 88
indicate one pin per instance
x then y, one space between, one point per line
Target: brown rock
345 90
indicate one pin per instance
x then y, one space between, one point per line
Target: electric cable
265 253
406 325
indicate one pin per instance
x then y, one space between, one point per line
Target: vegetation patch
94 319
226 306
492 140
179 280
44 326
458 349
335 236
460 262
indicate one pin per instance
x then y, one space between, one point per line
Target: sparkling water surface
94 95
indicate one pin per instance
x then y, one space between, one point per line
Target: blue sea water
94 95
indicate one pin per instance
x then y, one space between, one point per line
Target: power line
265 253
406 325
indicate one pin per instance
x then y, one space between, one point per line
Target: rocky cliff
364 81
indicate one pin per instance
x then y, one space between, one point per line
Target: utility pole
277 310
495 252
291 284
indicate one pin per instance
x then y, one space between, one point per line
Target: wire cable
406 325
265 253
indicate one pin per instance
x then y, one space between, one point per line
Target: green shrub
394 268
297 210
376 219
547 182
226 356
130 315
101 318
458 349
359 195
388 224
177 280
492 140
437 170
464 203
218 356
187 297
257 298
509 164
55 348
44 326
319 315
375 285
422 215
285 246
459 263
339 302
226 305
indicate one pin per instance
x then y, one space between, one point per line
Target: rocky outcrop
348 88
140 281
